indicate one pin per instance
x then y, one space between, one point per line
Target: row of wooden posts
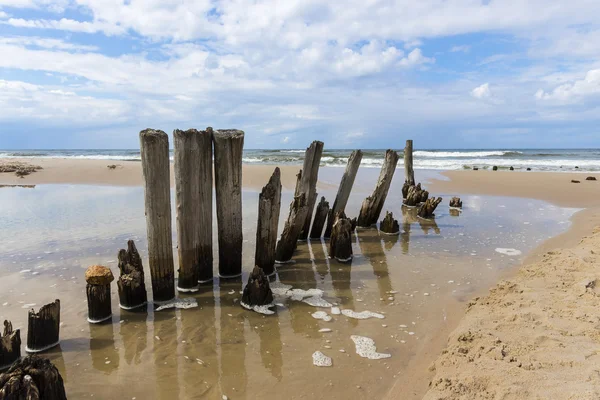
194 151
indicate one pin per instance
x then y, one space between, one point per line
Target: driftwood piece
416 195
320 217
409 173
456 202
389 225
575 181
291 230
308 184
131 284
269 205
10 345
257 292
590 178
154 145
32 378
343 193
340 243
426 210
43 328
229 146
372 205
98 280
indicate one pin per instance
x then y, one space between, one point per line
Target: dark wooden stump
512 168
528 169
409 173
405 188
43 328
495 168
416 195
427 209
131 285
257 292
32 378
293 226
10 346
456 202
590 178
320 217
269 205
98 280
575 181
308 184
372 205
475 169
389 225
340 243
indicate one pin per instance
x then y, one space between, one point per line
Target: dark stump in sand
32 378
495 168
590 178
528 169
456 202
98 280
574 181
389 225
10 346
416 196
257 292
340 243
320 218
475 169
405 188
132 289
427 209
43 328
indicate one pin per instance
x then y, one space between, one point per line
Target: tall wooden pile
372 205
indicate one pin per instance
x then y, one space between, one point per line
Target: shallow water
416 280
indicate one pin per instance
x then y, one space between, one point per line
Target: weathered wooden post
428 208
32 378
372 205
455 202
389 225
343 194
269 205
320 217
131 284
415 196
154 145
308 185
340 243
229 145
291 230
10 346
205 207
98 280
409 173
43 328
258 291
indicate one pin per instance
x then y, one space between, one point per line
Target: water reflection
269 332
320 258
371 248
134 333
165 349
105 356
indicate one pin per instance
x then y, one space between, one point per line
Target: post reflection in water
320 258
134 332
55 355
105 356
372 249
271 347
165 354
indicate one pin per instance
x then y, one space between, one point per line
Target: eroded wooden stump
257 292
320 217
43 328
590 178
269 205
372 205
10 346
416 195
32 378
293 225
389 225
98 280
308 184
131 285
427 209
409 173
340 243
456 202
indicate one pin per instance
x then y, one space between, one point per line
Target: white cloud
46 43
415 58
460 49
285 140
575 90
482 92
66 24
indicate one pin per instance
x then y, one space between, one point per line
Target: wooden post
372 205
389 225
32 378
205 206
409 173
343 194
257 292
308 185
415 196
98 280
340 243
455 202
427 209
154 145
43 328
320 217
10 346
269 205
293 225
229 145
132 288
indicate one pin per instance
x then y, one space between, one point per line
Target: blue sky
368 74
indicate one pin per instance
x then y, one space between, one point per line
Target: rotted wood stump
320 217
405 188
590 178
416 195
456 202
372 205
98 280
43 328
131 285
308 184
389 225
258 291
269 205
32 378
428 208
340 243
293 226
10 346
495 168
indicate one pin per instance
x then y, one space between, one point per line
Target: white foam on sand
312 297
322 315
335 311
321 360
365 347
317 301
188 302
362 314
324 330
508 252
259 309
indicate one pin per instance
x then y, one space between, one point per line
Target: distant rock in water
495 168
512 168
528 169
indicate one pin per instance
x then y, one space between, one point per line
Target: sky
353 73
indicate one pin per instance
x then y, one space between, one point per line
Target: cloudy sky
354 73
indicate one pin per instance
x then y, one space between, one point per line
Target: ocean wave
465 154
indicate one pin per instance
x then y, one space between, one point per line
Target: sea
584 160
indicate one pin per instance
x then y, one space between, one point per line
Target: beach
422 280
